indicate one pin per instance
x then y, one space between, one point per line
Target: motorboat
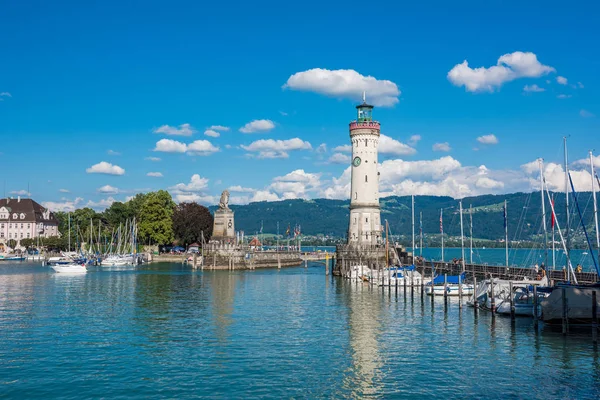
450 285
69 268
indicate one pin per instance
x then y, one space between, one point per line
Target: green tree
12 243
27 243
118 213
155 219
191 221
135 203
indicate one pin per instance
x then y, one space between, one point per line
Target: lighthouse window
366 178
355 195
366 143
367 219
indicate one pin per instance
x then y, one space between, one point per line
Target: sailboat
571 302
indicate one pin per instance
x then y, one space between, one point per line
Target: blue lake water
166 331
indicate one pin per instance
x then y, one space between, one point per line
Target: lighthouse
365 220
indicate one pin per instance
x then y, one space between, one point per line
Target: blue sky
84 84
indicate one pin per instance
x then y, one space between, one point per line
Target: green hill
330 217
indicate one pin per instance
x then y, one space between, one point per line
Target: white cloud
345 83
586 161
197 184
105 168
269 148
343 149
182 130
509 67
586 114
5 94
554 175
564 96
241 189
414 139
339 158
198 147
219 128
258 125
387 145
201 148
22 192
264 195
322 148
154 159
580 85
107 189
113 153
488 139
283 113
195 197
170 146
212 133
155 174
64 190
296 184
441 147
102 204
65 205
533 88
561 80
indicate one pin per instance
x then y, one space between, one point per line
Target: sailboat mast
506 232
595 206
442 230
69 232
462 237
562 240
413 226
568 223
544 212
471 233
553 230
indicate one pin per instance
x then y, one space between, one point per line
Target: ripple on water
165 331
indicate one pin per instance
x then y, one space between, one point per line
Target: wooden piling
279 262
512 302
492 298
565 312
445 287
594 318
194 264
535 307
475 302
432 291
460 291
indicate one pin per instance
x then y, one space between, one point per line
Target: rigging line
583 225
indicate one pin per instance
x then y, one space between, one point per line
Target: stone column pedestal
224 227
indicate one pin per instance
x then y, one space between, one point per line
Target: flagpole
471 233
462 237
553 245
421 233
442 230
506 231
413 226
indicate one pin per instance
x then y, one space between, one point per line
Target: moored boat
69 268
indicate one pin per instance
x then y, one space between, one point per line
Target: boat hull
69 269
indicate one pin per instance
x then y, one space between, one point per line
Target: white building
25 219
365 220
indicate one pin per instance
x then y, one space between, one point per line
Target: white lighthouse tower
365 220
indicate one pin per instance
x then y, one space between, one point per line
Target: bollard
594 318
512 302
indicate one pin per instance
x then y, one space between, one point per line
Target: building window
28 235
1 234
21 235
22 226
9 226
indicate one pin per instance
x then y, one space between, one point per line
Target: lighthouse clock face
356 161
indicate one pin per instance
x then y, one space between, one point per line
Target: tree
155 223
191 221
12 243
27 243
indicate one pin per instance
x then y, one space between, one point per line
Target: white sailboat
70 268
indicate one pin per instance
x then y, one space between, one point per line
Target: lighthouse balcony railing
364 124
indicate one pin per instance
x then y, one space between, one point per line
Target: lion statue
224 202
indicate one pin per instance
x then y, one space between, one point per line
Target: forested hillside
330 217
